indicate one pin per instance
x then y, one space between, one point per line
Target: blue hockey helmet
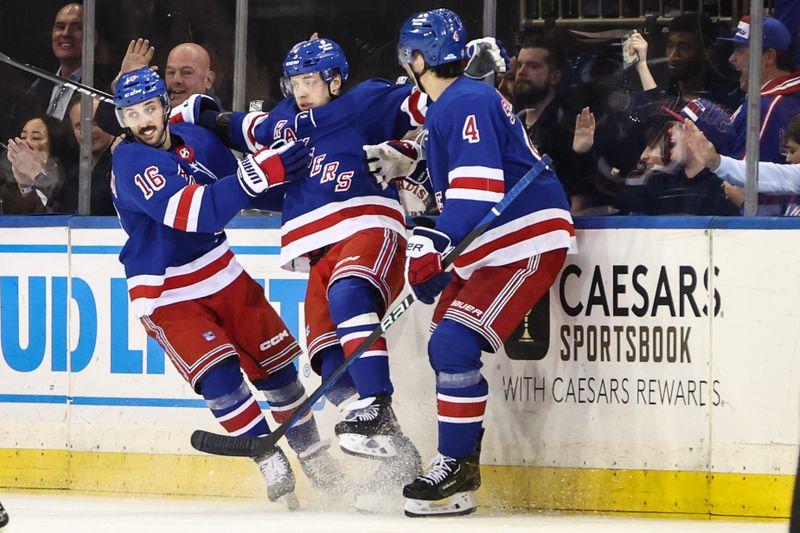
319 55
138 86
439 35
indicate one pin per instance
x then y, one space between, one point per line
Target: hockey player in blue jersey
175 187
476 150
347 233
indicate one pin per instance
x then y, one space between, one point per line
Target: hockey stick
217 444
85 89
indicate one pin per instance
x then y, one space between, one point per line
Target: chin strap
418 77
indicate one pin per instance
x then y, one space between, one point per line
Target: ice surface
64 512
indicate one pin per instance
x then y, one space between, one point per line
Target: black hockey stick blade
214 443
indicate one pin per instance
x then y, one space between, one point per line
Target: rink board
660 376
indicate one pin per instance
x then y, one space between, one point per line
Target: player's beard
156 141
528 95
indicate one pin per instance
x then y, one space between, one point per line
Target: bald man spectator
188 72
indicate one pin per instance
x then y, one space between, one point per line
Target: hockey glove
190 110
487 59
392 160
268 168
424 270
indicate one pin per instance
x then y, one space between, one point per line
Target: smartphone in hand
629 56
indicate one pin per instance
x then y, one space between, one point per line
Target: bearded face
535 80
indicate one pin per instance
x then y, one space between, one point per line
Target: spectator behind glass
38 159
66 38
773 177
188 69
544 111
506 85
662 187
100 204
780 101
608 134
690 39
188 72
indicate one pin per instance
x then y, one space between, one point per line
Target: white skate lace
364 415
438 469
274 467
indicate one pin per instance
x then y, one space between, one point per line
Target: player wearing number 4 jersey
476 151
175 187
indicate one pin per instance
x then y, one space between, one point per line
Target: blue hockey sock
232 402
284 392
460 414
356 307
344 388
454 351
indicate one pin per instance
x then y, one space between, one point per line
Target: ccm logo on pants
266 345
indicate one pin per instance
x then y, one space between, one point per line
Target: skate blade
290 501
460 503
377 447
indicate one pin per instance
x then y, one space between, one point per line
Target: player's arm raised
153 182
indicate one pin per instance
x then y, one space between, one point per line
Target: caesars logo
592 301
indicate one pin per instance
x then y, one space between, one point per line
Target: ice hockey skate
278 474
370 429
446 489
3 517
322 470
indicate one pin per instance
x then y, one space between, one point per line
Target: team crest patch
185 153
209 336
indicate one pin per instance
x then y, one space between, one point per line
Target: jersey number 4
151 182
470 132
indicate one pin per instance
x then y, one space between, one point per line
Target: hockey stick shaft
214 443
85 89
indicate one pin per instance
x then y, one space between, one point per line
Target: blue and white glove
392 160
487 59
269 167
190 110
424 271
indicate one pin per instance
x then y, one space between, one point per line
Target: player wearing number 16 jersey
476 151
175 187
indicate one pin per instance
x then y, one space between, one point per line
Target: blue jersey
174 204
477 150
337 197
780 101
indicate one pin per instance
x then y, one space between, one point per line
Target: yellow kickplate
637 491
530 488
